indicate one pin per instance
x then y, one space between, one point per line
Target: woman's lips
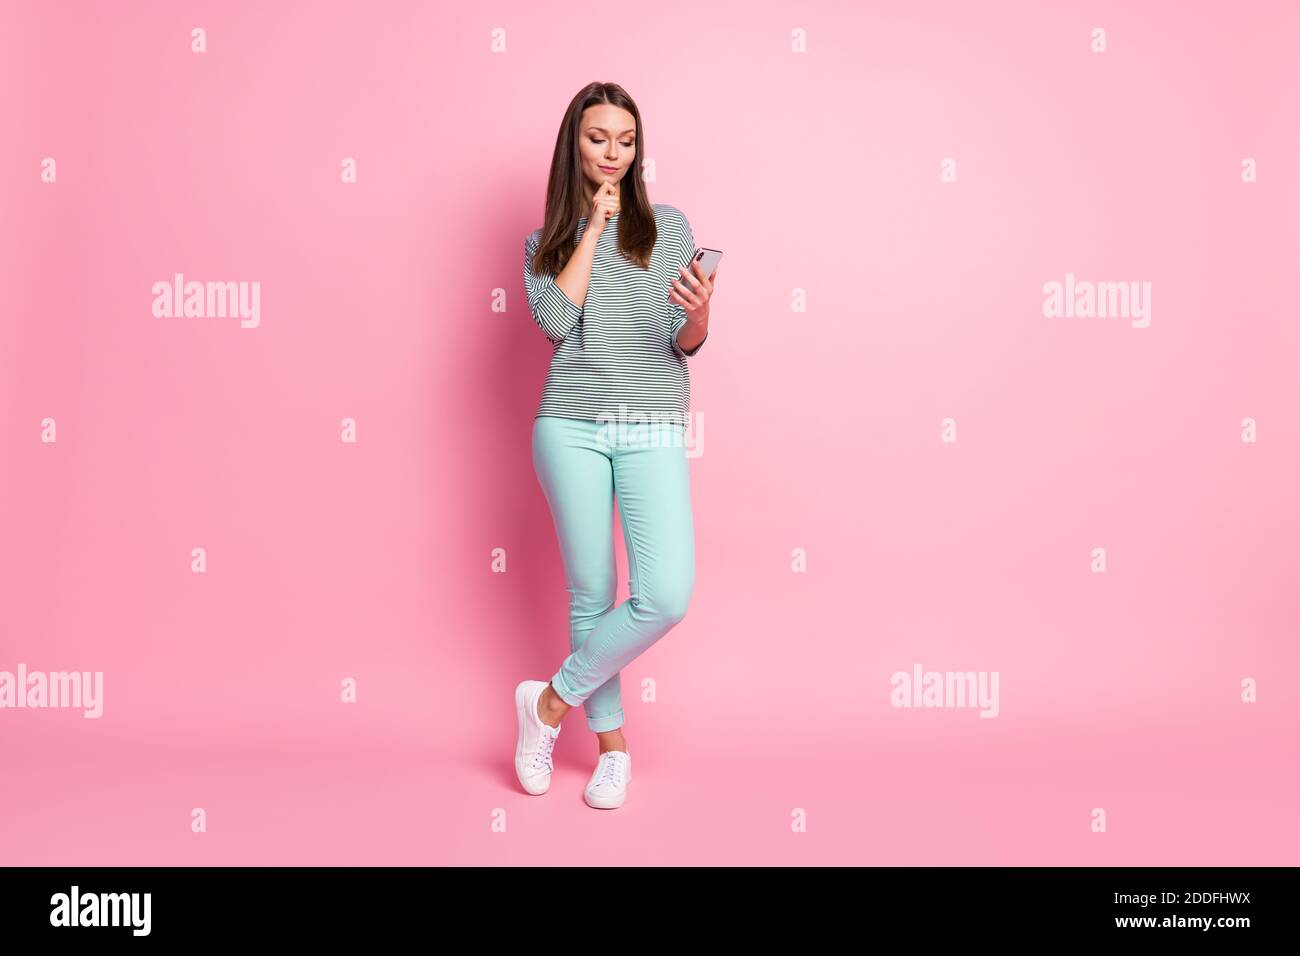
608 169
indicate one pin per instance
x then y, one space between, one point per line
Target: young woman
607 281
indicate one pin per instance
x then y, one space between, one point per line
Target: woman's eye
624 145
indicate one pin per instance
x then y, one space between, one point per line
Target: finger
688 298
687 302
706 282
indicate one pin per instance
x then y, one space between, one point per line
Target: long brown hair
564 189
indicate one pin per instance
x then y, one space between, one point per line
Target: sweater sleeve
552 310
682 254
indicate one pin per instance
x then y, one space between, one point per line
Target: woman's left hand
692 292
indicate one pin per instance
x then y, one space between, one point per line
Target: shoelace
543 755
611 768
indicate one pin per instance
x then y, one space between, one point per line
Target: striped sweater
616 356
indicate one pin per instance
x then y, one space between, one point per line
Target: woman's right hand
603 205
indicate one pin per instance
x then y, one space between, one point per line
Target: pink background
821 430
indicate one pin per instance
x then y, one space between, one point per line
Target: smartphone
708 260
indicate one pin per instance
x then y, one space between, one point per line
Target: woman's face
606 143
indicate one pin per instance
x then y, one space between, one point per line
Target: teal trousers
582 465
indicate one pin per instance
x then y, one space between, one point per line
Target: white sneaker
607 787
533 764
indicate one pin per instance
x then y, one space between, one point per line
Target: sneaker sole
603 803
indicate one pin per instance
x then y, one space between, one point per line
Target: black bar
459 907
